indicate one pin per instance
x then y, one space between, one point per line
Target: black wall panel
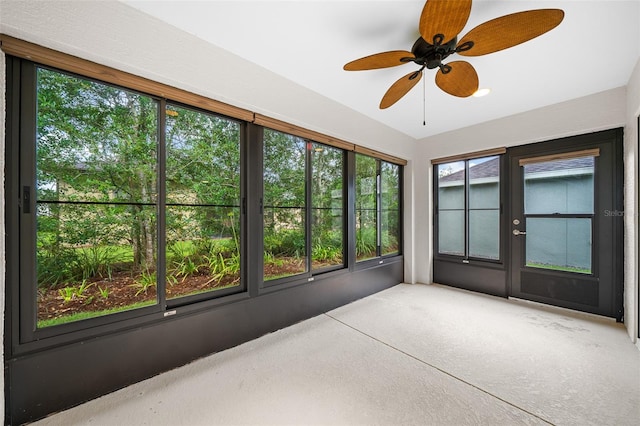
470 277
55 379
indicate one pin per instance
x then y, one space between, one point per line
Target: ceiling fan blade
443 17
400 88
379 60
510 30
461 80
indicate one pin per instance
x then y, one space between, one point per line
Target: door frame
612 250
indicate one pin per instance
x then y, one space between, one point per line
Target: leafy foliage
97 174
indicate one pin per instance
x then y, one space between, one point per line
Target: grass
559 268
86 315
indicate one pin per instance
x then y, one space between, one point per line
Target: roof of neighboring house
491 168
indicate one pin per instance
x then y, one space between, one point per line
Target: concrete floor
413 354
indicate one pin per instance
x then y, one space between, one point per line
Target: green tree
96 144
284 195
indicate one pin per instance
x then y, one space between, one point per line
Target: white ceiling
594 49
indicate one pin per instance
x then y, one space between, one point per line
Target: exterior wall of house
560 242
482 239
546 195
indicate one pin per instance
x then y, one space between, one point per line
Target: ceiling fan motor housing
430 55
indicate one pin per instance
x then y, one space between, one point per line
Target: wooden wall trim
562 156
272 123
469 156
45 56
380 155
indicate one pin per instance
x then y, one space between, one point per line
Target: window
468 208
285 211
377 201
202 202
559 213
134 205
327 201
298 173
96 199
111 212
389 208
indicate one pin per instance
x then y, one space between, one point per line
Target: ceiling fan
440 23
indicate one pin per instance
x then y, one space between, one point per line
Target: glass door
561 236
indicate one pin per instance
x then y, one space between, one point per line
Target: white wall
600 111
631 205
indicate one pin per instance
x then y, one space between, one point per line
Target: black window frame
24 81
310 273
502 186
23 337
379 258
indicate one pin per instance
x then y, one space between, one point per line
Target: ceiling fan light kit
481 92
440 23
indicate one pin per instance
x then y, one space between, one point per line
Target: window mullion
466 209
309 207
161 278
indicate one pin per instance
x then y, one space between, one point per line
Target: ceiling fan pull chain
424 99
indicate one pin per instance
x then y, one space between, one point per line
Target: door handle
517 232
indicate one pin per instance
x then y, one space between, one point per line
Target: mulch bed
123 291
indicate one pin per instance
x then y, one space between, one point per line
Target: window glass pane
284 205
484 208
559 243
389 208
366 207
484 183
563 186
451 204
327 227
96 164
484 234
203 202
451 232
451 181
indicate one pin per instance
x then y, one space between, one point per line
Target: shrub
97 261
322 253
289 242
365 242
56 267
